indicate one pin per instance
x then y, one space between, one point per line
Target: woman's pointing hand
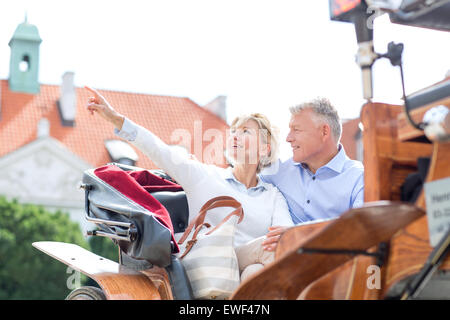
98 104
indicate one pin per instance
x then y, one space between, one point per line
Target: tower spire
24 62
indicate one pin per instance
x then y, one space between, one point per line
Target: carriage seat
177 206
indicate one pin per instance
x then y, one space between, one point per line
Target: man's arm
281 221
357 199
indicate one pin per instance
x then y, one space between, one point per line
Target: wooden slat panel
387 161
357 229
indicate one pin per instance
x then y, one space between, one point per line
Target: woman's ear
264 150
269 149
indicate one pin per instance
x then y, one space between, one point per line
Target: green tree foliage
25 272
104 247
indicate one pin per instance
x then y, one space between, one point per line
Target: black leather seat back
177 206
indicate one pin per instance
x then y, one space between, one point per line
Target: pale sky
265 56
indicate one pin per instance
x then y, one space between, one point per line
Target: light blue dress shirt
335 187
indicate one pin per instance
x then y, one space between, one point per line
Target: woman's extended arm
179 166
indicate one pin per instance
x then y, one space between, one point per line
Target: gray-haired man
319 181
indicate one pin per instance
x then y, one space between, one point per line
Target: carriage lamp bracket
379 255
394 54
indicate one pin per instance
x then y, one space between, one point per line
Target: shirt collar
335 164
228 175
338 161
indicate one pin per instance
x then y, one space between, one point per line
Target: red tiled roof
21 112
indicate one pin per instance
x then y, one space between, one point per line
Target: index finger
95 92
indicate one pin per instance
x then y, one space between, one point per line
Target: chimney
218 106
67 103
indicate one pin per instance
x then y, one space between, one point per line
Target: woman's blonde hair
268 135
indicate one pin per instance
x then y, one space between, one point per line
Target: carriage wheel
86 293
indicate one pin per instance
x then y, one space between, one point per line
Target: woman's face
244 143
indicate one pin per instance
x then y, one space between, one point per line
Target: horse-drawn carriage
379 251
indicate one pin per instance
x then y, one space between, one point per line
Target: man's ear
325 131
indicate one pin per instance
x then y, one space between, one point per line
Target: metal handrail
130 232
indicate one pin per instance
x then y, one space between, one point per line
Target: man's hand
98 104
272 238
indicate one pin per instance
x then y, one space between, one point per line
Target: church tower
24 62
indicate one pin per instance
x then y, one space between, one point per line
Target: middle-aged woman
251 146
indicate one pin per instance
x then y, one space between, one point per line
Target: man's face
305 136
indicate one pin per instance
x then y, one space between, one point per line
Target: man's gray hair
325 111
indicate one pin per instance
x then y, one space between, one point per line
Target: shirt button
307 201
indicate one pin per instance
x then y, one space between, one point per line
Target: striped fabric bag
209 257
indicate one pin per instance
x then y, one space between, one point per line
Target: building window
24 65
